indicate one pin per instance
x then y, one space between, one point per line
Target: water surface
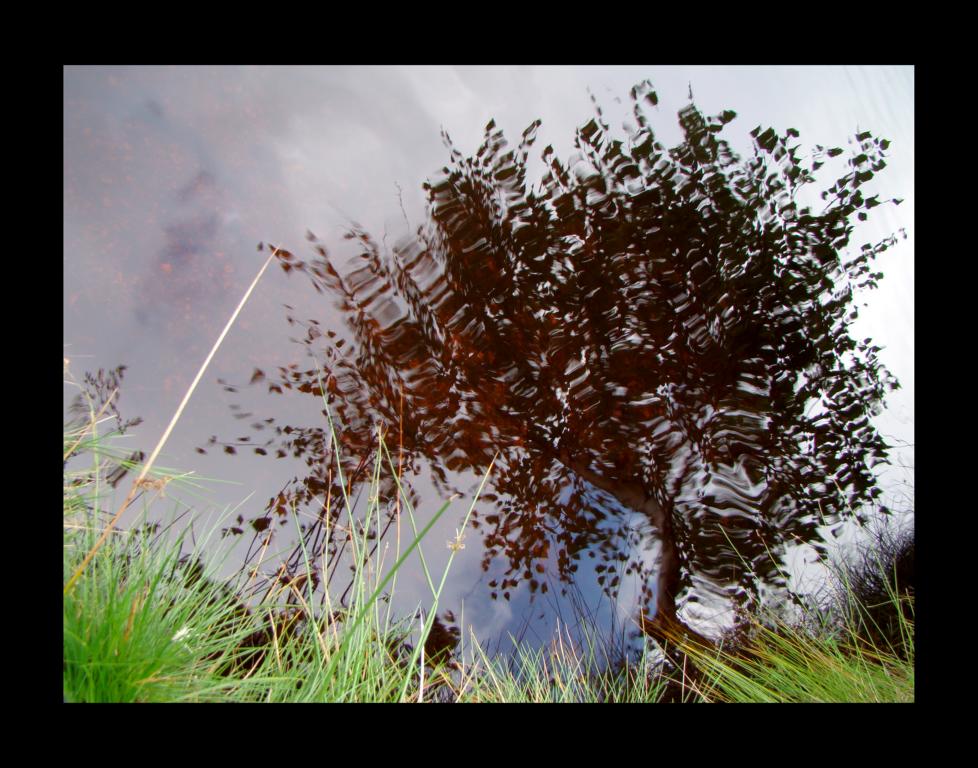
174 176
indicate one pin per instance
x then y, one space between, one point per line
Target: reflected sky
173 175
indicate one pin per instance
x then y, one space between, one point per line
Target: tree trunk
665 625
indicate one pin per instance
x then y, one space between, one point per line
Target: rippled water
654 357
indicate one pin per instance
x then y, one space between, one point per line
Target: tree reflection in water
650 332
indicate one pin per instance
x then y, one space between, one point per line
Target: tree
648 334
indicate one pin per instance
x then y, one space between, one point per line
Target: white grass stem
173 422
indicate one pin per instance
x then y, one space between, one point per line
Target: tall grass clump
859 647
120 618
140 627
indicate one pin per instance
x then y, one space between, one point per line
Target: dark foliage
652 339
878 589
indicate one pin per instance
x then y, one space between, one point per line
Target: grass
785 664
856 647
122 615
564 672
